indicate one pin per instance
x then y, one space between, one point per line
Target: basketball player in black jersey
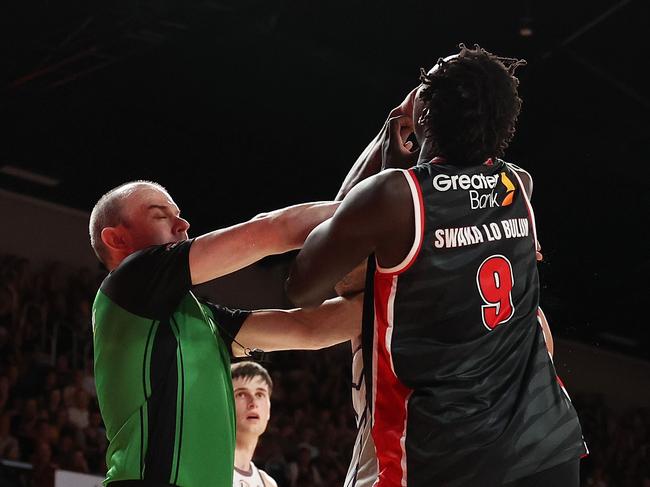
462 389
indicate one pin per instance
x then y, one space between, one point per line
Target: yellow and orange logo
510 190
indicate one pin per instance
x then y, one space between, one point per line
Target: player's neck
426 152
244 451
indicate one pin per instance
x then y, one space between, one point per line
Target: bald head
109 212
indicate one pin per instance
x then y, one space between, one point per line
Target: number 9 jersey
463 391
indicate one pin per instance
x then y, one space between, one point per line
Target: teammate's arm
376 216
335 321
226 250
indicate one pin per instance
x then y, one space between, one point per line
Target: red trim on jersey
404 265
390 395
417 185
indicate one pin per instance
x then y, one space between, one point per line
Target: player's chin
252 428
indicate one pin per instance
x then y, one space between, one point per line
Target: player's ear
114 238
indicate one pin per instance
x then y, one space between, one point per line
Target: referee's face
152 218
253 405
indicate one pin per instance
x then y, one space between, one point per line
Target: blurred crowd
49 416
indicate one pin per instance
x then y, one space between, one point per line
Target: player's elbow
300 295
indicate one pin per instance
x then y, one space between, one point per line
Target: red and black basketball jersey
463 390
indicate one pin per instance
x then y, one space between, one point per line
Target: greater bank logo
484 191
510 190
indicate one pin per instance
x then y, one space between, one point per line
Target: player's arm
335 321
371 159
226 250
353 282
367 164
548 337
373 217
527 182
379 154
526 178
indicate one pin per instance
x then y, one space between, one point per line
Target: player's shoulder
391 183
376 194
385 179
268 480
518 169
523 175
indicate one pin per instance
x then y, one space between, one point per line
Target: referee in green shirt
162 356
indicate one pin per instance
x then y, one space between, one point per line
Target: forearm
290 226
367 164
335 321
227 250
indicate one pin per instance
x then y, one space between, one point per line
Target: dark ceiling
242 106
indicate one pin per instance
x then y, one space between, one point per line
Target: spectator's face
304 456
50 380
253 405
43 452
31 408
55 398
81 399
95 420
12 452
12 374
62 416
43 432
67 443
5 424
151 218
62 363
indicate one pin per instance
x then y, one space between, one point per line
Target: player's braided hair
471 105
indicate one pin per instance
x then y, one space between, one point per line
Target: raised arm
373 159
378 155
227 250
367 164
335 321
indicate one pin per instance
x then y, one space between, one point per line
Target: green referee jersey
162 369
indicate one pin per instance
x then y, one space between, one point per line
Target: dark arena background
243 106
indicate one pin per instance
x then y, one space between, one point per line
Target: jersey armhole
531 213
267 480
418 213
